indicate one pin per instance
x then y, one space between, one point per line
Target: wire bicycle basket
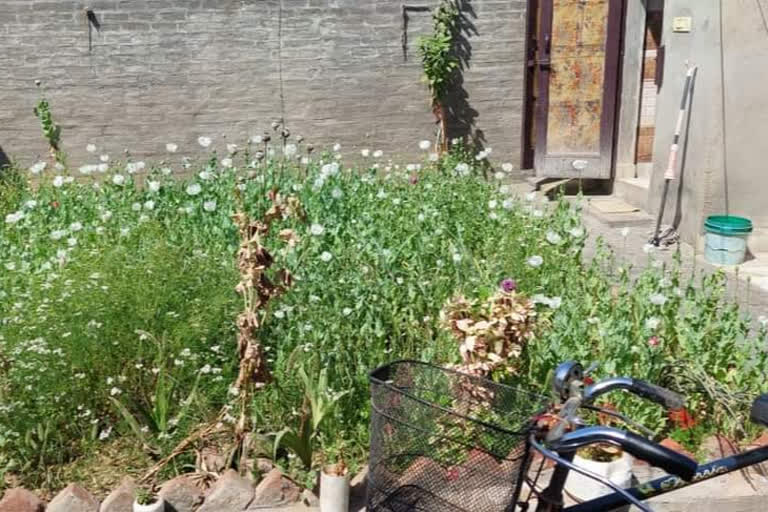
442 440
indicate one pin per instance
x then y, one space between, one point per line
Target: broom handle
672 163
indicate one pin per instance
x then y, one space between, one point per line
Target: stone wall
160 71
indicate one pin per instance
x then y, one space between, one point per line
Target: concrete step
615 212
633 190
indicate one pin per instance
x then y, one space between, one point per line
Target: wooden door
577 65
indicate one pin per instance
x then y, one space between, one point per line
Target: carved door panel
578 61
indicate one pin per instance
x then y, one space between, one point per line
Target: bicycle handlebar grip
660 456
658 394
638 446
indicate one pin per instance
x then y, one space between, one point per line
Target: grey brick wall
171 70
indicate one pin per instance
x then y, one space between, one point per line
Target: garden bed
118 304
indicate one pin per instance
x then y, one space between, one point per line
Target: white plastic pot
583 488
334 493
158 506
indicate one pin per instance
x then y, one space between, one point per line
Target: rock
21 500
717 447
275 490
358 490
310 499
230 493
121 499
210 460
264 465
181 494
361 478
760 441
674 445
73 498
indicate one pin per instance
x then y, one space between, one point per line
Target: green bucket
726 239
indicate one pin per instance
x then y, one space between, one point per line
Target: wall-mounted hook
93 22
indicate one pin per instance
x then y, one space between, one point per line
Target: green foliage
438 50
145 495
319 401
51 130
117 305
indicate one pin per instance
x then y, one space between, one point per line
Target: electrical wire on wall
280 60
762 15
722 107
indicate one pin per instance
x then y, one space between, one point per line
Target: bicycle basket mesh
446 441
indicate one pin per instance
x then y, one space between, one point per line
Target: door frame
537 52
531 42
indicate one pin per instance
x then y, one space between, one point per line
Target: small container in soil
147 501
334 488
583 488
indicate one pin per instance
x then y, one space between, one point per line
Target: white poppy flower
134 167
58 234
652 323
425 145
204 141
37 168
553 238
118 179
13 218
289 150
193 189
535 261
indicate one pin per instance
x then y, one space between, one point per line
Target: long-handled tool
671 173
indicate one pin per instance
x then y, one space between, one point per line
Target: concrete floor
747 284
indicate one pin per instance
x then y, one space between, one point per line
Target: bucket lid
728 224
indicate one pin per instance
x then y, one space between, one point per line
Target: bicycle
442 440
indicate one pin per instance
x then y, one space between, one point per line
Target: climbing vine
440 60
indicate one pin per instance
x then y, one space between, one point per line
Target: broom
670 174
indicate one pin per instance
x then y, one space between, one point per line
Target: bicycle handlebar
653 453
658 394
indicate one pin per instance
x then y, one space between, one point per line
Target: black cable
762 15
722 107
280 60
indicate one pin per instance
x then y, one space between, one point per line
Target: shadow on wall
462 118
4 160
